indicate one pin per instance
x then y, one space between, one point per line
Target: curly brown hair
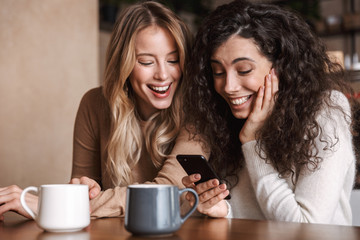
306 78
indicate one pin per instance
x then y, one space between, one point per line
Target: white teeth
239 101
160 89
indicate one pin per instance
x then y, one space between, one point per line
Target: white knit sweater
317 197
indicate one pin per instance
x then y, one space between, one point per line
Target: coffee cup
154 209
61 207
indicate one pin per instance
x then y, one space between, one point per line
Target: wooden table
193 228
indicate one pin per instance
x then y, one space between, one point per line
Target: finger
215 200
189 181
94 192
207 186
275 82
259 99
10 189
85 180
206 196
12 204
191 199
267 92
75 181
8 197
94 187
88 181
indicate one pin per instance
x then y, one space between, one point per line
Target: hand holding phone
198 164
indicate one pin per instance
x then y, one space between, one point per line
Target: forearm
111 202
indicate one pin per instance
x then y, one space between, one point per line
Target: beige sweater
316 197
91 134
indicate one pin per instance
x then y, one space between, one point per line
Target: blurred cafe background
52 52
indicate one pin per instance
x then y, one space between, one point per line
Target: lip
239 100
160 94
242 105
157 85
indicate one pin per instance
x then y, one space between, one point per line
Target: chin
240 115
162 106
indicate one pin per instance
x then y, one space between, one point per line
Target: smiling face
239 70
156 72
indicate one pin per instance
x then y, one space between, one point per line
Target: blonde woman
125 131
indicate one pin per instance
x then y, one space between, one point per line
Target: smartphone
198 164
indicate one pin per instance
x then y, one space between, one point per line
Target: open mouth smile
159 90
239 101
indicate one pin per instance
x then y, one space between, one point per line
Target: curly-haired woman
125 131
271 106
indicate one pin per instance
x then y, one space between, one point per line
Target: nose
231 84
161 72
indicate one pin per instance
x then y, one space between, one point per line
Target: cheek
255 83
176 73
218 86
139 76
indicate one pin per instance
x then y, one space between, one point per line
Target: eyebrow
235 60
151 55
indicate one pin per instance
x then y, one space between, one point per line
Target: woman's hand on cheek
211 196
94 187
262 108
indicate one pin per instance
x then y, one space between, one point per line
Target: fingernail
225 193
222 187
214 182
197 176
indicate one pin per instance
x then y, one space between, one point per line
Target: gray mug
154 209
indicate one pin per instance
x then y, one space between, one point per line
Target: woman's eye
174 61
217 71
217 74
244 72
145 63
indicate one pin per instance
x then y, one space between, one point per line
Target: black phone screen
198 164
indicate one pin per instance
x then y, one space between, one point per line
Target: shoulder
93 104
93 95
336 106
336 113
94 99
339 99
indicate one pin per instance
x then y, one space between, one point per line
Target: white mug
61 207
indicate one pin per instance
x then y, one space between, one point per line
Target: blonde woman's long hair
126 140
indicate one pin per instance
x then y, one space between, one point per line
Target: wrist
244 139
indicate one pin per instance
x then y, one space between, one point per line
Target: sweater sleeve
111 202
316 194
86 143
